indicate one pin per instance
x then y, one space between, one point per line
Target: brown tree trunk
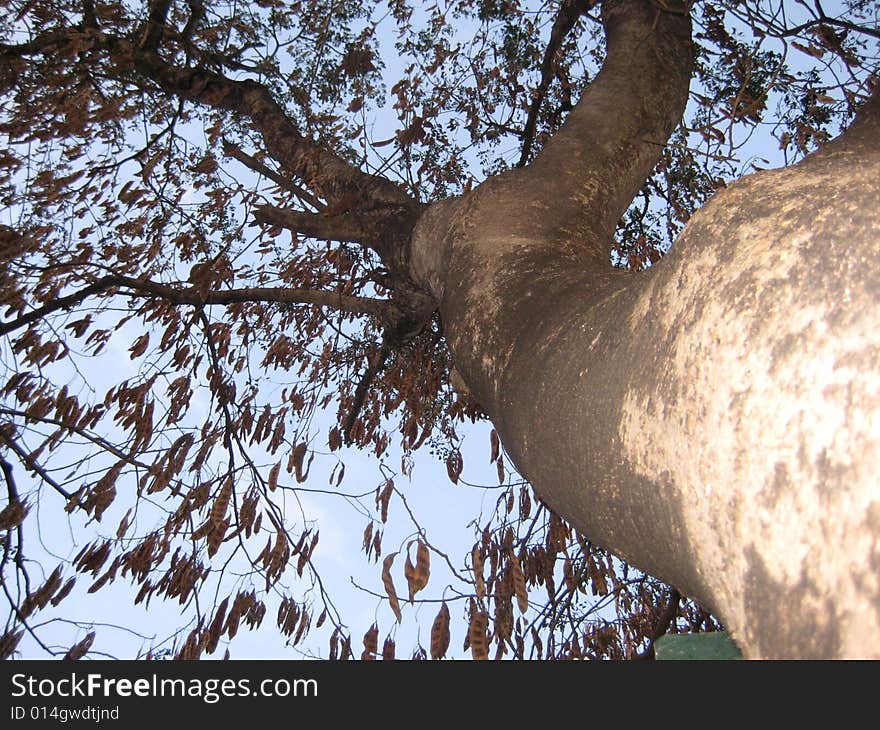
716 420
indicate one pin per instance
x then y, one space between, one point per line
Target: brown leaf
371 643
216 628
216 535
8 643
377 545
65 590
218 510
477 635
479 582
273 477
123 526
388 649
140 345
78 650
335 439
13 514
383 499
206 165
389 585
519 585
440 633
299 453
423 564
525 504
334 643
417 575
203 530
454 466
368 538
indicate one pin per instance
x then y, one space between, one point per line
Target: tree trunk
714 421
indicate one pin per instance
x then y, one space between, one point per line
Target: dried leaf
273 477
371 643
334 643
479 582
140 345
417 575
123 526
368 538
388 649
454 466
335 439
389 585
525 504
477 635
13 514
218 510
8 643
519 585
65 590
440 633
78 650
383 498
299 453
423 564
215 536
216 628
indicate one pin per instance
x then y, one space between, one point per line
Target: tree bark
714 421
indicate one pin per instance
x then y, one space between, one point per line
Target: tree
711 418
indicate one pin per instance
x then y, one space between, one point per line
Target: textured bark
715 421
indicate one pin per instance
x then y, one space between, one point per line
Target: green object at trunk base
711 645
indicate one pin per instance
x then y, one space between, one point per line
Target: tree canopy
209 306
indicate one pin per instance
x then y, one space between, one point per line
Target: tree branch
88 14
375 365
254 164
569 12
344 227
33 465
78 430
661 626
178 294
321 169
610 142
154 27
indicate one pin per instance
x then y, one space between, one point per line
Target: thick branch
154 27
254 164
320 169
611 141
661 625
344 227
196 13
179 294
375 364
569 12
